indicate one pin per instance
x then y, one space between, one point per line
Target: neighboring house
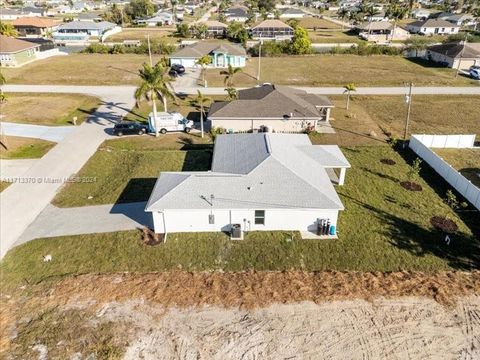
16 13
221 53
292 13
272 30
271 108
238 14
382 31
159 19
459 19
81 31
257 182
454 54
380 16
433 27
216 28
15 52
421 14
34 27
89 16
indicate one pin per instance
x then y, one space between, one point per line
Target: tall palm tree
204 61
155 84
343 14
229 74
396 13
370 11
7 30
201 102
3 81
349 88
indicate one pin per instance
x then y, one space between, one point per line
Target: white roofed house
159 19
433 27
81 31
257 182
272 108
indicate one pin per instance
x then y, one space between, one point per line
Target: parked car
129 128
173 73
475 73
180 69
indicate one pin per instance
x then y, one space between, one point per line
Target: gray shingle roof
433 23
453 50
270 101
202 48
255 171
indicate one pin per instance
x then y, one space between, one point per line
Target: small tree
301 43
201 102
414 169
229 74
349 88
204 61
183 30
7 29
452 201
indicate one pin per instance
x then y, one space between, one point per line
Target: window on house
259 217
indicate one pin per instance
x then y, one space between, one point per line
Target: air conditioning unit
236 232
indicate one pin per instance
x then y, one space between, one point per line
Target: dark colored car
172 73
180 69
129 128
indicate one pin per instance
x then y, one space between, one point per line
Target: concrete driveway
50 133
15 168
54 221
22 202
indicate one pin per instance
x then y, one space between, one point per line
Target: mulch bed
149 237
444 224
388 161
412 186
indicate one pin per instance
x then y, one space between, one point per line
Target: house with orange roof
34 27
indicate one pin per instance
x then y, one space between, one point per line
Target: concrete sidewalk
21 203
54 221
50 133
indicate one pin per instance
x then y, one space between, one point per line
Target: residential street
24 200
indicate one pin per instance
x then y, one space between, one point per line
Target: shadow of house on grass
463 252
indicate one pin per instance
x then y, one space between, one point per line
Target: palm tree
7 30
232 94
349 88
343 14
3 81
155 84
370 11
204 61
201 102
396 13
229 74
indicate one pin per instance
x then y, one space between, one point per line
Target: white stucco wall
275 219
277 125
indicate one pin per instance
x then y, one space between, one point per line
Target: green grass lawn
48 109
126 169
322 36
80 69
466 161
338 70
24 148
384 228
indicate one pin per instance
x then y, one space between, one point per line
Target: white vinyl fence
421 145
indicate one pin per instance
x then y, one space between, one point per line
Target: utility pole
461 55
149 50
408 100
259 58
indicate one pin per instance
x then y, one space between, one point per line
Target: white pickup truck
168 121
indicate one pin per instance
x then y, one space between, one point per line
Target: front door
220 60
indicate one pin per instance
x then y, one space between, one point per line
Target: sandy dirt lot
252 315
409 328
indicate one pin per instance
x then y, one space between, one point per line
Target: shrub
96 48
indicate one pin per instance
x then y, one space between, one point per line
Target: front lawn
372 120
47 109
156 34
338 70
125 170
384 228
14 147
80 69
